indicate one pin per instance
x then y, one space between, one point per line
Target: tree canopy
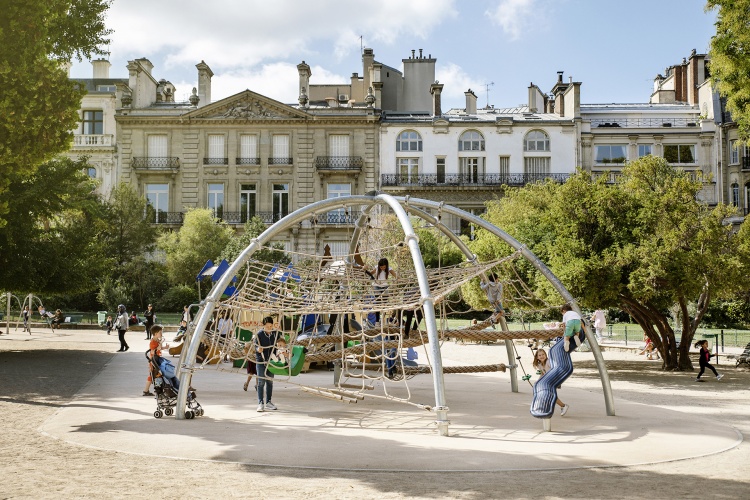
730 59
643 244
39 103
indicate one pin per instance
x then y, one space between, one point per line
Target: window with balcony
157 197
338 145
216 154
338 216
611 153
409 140
679 153
504 165
248 195
536 168
157 146
644 150
536 140
280 150
471 170
440 169
408 170
471 140
93 122
280 201
248 150
216 199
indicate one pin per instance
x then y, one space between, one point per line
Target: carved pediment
247 105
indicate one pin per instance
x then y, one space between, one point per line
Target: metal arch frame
208 305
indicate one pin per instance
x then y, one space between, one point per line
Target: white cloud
514 16
456 81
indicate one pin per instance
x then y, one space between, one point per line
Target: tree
239 242
643 244
39 104
127 234
730 59
51 243
201 237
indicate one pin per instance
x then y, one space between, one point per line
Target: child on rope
572 321
494 291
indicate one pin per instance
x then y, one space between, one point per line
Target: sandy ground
41 376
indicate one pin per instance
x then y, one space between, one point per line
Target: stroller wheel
157 414
200 412
189 415
168 412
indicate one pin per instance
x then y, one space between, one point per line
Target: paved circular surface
491 428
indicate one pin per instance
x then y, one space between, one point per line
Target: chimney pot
412 53
420 54
559 76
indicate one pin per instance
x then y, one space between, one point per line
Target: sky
494 47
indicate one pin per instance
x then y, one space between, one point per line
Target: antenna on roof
361 46
487 92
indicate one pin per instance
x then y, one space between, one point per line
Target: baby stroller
163 375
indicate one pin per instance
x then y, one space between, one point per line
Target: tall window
93 122
644 150
338 145
440 168
679 153
504 162
157 196
611 153
736 194
471 140
280 145
536 168
280 201
409 140
247 202
91 172
408 169
472 170
536 140
157 146
215 149
248 150
734 152
216 199
338 216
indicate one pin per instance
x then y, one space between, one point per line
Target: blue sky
614 47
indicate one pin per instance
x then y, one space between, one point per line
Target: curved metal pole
529 255
428 306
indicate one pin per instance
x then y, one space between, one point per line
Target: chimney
471 102
204 83
101 68
303 69
146 64
436 89
559 76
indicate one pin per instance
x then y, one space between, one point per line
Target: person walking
26 316
149 314
121 325
703 359
600 323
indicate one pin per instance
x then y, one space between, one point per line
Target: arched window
471 140
408 140
736 194
536 140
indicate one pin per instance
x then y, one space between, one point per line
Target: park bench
68 319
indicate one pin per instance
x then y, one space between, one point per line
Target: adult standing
26 314
149 315
186 315
265 346
121 325
600 323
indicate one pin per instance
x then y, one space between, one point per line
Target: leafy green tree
50 243
127 234
643 245
38 103
239 242
437 250
729 62
201 237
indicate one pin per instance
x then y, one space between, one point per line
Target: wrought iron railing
280 161
216 161
89 140
613 176
339 162
164 217
155 163
447 180
248 161
339 217
643 122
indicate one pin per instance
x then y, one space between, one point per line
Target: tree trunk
656 326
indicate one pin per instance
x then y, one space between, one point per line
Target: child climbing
494 291
704 358
572 322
